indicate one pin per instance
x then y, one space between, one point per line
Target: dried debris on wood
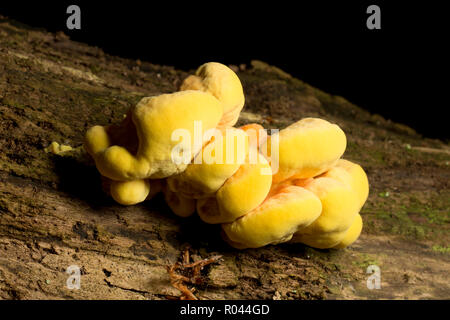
188 272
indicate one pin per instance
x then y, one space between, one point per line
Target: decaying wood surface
53 213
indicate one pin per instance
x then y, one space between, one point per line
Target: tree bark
53 213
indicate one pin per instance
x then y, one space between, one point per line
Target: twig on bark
187 273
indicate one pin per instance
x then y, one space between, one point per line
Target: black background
399 71
356 309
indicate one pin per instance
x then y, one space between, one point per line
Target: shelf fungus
220 81
315 196
290 186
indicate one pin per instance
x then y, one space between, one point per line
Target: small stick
186 256
186 293
177 280
203 262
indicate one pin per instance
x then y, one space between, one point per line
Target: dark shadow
81 181
202 235
192 229
306 252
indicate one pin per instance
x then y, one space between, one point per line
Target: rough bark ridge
53 213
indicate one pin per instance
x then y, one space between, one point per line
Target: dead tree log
53 213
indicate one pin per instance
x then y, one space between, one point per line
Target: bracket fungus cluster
290 186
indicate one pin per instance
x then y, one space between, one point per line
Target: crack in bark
141 292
